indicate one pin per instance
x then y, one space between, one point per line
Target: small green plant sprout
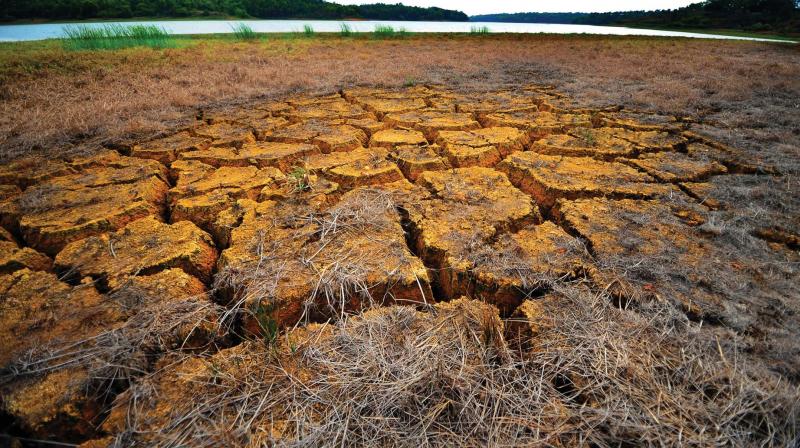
587 136
214 371
345 30
242 31
479 30
410 82
298 179
308 30
267 324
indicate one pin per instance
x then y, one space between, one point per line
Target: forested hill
263 9
750 15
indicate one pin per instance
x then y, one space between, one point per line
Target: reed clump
242 31
116 36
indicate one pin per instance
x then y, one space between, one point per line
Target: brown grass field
555 241
54 100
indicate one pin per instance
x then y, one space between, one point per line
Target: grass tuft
479 30
115 36
388 32
345 30
242 31
308 31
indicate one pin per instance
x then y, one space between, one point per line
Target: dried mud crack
403 267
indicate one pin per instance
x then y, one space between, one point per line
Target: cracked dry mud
304 210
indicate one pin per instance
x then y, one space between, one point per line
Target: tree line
751 15
263 9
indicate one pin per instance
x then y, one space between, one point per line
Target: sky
473 7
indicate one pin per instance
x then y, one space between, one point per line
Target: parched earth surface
183 254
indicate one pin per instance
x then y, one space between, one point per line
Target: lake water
55 30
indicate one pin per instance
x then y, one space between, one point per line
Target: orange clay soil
254 221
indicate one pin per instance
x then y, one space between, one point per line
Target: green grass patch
308 31
242 31
388 32
116 36
479 30
269 326
345 30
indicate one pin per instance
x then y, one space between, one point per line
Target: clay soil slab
538 124
203 191
430 123
261 127
202 210
654 141
383 106
172 291
335 108
369 125
340 138
471 206
466 156
274 108
391 138
638 121
320 163
143 247
8 192
197 178
166 150
169 285
633 241
491 102
360 174
261 154
548 178
505 139
355 93
414 160
676 167
50 216
330 137
32 170
289 268
126 169
226 134
38 309
314 100
519 264
481 147
600 143
14 258
235 115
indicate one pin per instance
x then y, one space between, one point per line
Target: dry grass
54 100
595 375
343 260
113 358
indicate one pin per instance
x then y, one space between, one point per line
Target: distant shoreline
778 37
206 18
